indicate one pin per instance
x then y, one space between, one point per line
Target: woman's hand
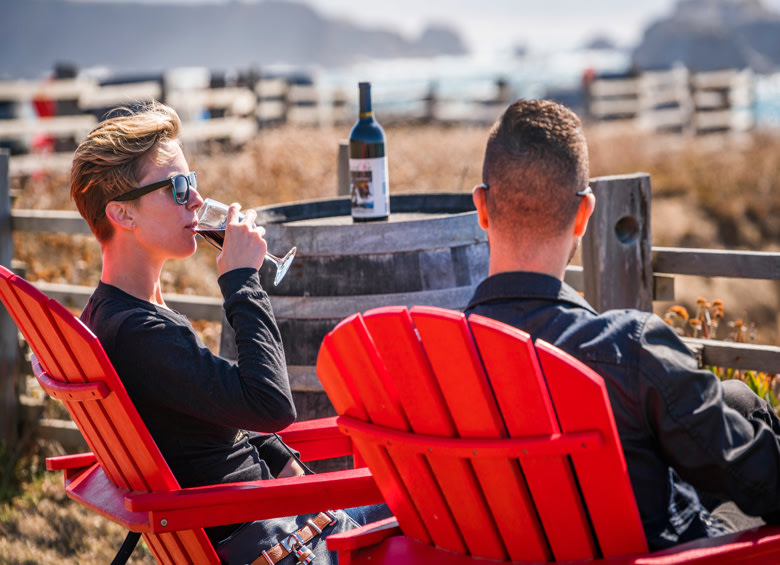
244 245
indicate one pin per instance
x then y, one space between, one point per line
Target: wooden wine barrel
431 251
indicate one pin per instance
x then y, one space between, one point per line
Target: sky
494 25
490 25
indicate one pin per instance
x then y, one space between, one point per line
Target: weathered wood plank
194 307
63 431
663 286
30 408
716 263
29 163
49 221
617 244
698 262
60 89
744 356
77 126
110 95
237 129
8 332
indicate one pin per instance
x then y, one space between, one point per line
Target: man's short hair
109 161
536 160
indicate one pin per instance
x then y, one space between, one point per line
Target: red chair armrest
364 536
90 487
755 547
66 462
310 429
317 439
257 500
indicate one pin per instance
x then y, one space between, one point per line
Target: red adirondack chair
125 477
488 447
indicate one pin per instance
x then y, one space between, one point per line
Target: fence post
343 168
616 249
8 332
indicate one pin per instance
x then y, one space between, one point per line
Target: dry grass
726 196
44 526
735 184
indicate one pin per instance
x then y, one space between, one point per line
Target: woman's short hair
109 161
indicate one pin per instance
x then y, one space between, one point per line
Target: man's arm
713 447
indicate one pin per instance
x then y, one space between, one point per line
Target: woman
131 183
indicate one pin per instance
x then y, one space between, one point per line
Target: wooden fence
42 121
620 269
675 101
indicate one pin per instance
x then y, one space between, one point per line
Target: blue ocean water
767 104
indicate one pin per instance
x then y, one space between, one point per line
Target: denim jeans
245 544
367 514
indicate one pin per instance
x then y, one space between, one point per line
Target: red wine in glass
212 217
214 236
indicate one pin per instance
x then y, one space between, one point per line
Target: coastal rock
707 35
440 40
142 38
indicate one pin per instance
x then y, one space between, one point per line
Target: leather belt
294 543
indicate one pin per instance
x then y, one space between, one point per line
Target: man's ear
584 211
480 203
120 215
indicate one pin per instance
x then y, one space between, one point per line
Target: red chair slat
408 370
348 367
27 307
126 449
500 495
30 309
510 360
581 401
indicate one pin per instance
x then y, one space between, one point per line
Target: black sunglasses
180 184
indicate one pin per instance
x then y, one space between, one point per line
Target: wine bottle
368 178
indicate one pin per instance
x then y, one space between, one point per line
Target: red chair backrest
481 441
76 370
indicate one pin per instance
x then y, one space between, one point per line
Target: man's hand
291 469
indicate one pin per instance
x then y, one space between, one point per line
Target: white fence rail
676 100
63 111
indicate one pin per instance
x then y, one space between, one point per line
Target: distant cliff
708 35
143 38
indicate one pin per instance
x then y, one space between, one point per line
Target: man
687 437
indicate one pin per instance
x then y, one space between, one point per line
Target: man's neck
549 257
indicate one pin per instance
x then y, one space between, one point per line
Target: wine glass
212 218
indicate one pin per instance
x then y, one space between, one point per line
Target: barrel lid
417 222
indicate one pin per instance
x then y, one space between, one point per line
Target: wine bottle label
368 187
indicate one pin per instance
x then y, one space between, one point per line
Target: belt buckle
294 544
332 515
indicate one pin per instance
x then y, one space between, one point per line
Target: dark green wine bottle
368 178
